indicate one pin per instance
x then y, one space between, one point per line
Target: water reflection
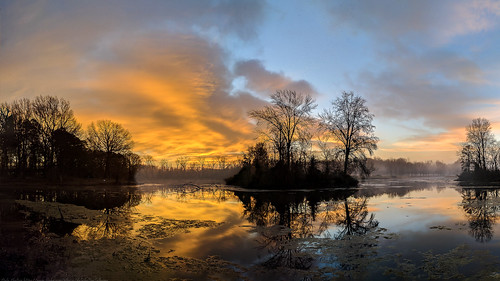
352 218
324 234
481 207
292 225
105 214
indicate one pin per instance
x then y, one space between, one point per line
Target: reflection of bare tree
186 192
283 220
287 223
113 211
357 247
352 218
113 223
284 250
481 208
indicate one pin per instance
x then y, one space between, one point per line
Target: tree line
205 168
42 138
284 156
405 167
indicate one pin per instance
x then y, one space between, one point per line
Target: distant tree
284 121
201 162
221 162
350 123
164 164
181 162
133 163
149 160
109 137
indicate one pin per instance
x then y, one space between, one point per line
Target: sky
182 75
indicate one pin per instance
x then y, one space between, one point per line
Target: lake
400 229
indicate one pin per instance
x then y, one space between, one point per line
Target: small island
285 159
480 155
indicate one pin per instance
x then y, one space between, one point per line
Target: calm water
417 228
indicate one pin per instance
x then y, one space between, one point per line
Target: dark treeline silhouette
479 155
285 159
405 167
41 138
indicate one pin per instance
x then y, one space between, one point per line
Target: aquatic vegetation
169 227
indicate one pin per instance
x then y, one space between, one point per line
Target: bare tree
201 162
54 113
481 140
164 164
149 160
182 162
6 134
466 156
285 120
221 162
133 163
494 156
328 150
350 123
109 137
51 113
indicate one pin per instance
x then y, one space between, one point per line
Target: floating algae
165 228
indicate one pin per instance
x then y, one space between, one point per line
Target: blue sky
172 71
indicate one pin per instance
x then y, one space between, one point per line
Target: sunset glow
182 75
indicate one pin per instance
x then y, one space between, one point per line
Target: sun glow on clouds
168 87
169 71
168 95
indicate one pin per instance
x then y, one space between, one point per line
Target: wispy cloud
427 20
422 77
265 82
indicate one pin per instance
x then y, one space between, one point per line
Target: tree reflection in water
481 207
352 218
114 207
295 227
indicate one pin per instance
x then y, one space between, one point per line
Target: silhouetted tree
133 162
108 137
52 113
70 153
181 162
284 121
350 123
481 140
479 154
7 135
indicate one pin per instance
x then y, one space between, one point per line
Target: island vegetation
42 139
284 158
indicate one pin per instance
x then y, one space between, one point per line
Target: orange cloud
172 94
